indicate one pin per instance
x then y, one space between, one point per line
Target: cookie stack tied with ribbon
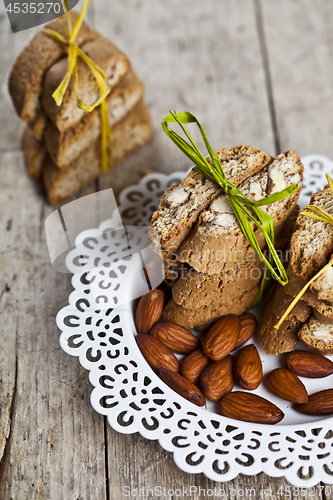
212 233
82 102
303 309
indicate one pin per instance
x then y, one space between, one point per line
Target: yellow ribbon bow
319 214
74 52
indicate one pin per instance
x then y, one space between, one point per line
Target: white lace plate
134 398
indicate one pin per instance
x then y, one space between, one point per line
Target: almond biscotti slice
188 283
34 153
173 269
66 147
128 135
322 309
283 239
285 338
26 76
217 242
317 336
107 56
181 205
38 126
203 317
322 287
312 241
276 341
310 249
194 290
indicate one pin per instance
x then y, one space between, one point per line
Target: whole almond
182 386
248 326
156 353
221 337
193 365
177 338
309 364
286 385
149 310
250 407
320 403
248 368
217 379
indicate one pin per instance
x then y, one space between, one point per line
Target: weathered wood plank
297 37
142 464
11 45
198 56
222 80
204 57
300 50
56 445
8 313
157 466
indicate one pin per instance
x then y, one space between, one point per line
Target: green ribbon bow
240 203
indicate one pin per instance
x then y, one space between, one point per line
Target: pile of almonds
209 370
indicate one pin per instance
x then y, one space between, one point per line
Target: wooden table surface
254 72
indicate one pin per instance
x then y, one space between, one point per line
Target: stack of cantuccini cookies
62 144
311 320
210 265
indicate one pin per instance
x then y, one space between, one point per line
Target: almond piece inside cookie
178 212
317 335
280 178
256 191
217 243
177 197
224 213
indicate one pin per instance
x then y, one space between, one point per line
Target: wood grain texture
298 38
300 52
51 440
254 72
8 314
197 56
136 463
56 443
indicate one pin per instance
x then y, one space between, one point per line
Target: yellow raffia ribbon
322 215
74 52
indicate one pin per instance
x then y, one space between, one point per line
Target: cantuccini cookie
66 147
194 290
128 135
310 249
38 126
321 309
181 205
188 282
322 287
312 241
34 153
217 243
107 56
27 74
173 269
317 335
282 241
285 338
203 317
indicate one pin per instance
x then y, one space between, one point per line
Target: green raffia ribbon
74 52
242 205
